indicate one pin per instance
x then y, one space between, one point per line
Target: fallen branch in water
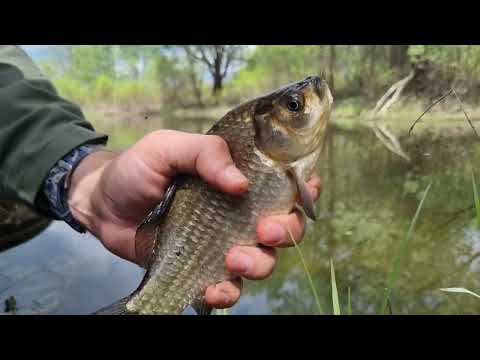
428 109
389 140
392 95
464 112
452 91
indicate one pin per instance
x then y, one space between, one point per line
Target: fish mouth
317 83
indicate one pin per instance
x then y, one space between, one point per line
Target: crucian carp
275 140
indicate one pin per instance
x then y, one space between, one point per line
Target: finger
315 187
251 262
208 156
272 231
224 294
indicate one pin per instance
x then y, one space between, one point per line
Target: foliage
187 74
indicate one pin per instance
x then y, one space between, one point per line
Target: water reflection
369 200
62 272
370 196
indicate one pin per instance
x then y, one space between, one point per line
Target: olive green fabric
37 128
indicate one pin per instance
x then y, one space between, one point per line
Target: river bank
126 127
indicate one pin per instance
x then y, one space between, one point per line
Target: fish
275 140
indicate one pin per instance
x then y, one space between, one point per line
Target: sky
38 52
49 52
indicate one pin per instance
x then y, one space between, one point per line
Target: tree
90 61
218 59
195 80
399 57
136 55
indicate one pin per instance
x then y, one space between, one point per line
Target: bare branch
432 105
230 58
464 112
202 57
192 54
205 59
392 95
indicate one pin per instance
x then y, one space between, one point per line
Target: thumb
169 153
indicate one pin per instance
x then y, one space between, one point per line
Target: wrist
83 187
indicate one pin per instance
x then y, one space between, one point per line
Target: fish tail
117 308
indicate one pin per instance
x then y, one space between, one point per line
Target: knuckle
217 143
155 136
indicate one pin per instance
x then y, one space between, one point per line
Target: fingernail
225 297
233 175
242 262
274 234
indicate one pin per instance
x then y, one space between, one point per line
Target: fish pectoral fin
305 198
201 307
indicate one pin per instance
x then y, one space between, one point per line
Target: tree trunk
371 68
217 84
399 58
217 73
196 83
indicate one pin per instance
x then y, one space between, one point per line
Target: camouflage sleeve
55 186
37 128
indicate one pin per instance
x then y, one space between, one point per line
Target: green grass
476 199
401 253
335 299
335 302
349 310
221 312
307 273
460 290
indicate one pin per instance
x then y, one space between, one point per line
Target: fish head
291 122
290 128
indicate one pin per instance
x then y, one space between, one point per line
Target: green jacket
37 128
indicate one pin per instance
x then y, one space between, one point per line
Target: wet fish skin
184 242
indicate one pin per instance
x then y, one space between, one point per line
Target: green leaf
476 199
335 302
401 253
460 290
349 302
307 272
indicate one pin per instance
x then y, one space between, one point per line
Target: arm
37 128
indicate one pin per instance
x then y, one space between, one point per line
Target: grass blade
221 312
389 304
403 247
335 302
310 281
349 302
475 196
460 290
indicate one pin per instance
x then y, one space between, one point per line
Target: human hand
111 193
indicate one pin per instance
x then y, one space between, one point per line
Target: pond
370 197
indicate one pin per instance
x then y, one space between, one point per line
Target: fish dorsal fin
145 237
305 198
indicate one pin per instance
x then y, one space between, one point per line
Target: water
369 199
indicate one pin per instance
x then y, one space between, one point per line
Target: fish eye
293 105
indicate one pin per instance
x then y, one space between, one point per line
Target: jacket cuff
63 139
